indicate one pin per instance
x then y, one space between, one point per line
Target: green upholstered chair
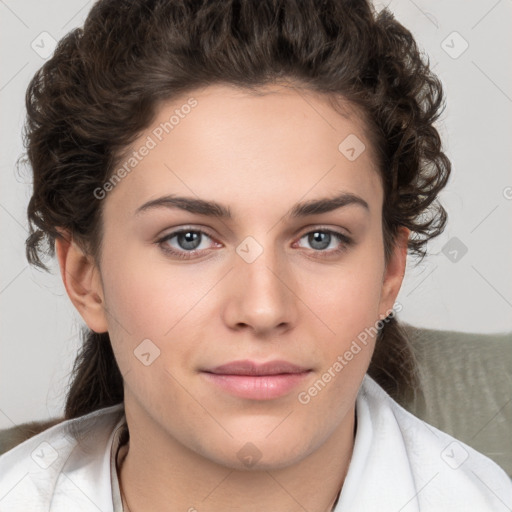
466 388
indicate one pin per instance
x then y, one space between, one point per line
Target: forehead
249 150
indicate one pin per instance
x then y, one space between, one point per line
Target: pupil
317 236
190 238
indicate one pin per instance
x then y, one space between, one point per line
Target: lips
255 381
247 367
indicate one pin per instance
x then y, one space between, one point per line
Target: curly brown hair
105 82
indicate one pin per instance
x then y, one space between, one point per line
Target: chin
259 456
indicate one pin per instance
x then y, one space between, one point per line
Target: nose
260 295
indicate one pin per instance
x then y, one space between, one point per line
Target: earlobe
82 281
394 272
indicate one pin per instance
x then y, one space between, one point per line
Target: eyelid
184 229
320 227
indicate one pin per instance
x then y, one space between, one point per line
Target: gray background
452 289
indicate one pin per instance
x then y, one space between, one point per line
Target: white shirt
399 464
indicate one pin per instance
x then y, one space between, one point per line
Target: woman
232 189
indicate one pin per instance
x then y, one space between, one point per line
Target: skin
259 156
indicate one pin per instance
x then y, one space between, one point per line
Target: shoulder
447 471
13 436
52 462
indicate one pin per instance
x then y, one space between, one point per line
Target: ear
394 272
82 281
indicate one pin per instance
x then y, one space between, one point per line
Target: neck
149 481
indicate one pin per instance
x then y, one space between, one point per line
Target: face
185 291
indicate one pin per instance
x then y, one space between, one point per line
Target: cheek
347 302
347 295
149 309
169 305
149 298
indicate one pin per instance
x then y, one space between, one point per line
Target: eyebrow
214 209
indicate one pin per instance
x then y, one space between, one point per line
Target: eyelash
345 241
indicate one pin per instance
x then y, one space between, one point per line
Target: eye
322 239
188 242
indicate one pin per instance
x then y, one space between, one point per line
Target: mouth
250 380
